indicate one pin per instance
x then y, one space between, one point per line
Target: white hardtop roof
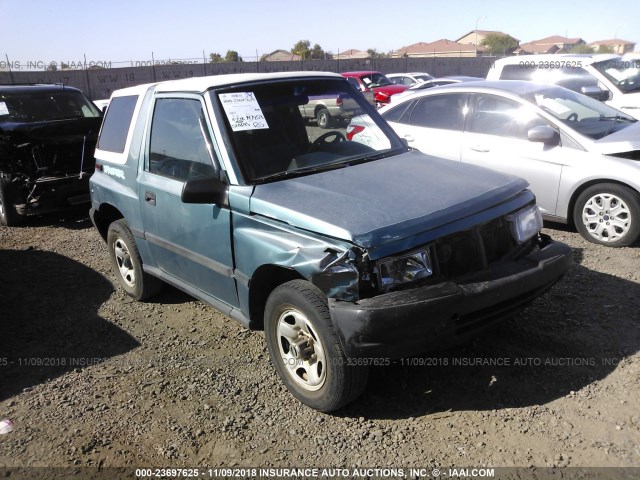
586 58
408 73
201 84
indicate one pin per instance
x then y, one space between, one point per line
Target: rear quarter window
516 72
117 121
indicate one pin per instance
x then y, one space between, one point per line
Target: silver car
580 156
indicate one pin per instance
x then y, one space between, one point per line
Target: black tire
8 213
127 263
314 369
323 117
608 214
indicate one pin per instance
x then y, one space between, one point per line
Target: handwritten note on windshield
243 111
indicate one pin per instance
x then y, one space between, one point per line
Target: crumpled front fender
331 266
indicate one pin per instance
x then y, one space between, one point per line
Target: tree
604 49
317 53
232 56
373 53
302 48
499 43
581 48
215 58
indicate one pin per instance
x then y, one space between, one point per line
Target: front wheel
127 263
8 214
608 214
305 350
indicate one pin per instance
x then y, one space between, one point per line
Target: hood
385 200
54 131
50 148
390 89
625 140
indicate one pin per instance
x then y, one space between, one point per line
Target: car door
496 137
191 243
404 80
432 124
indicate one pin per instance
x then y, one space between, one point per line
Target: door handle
150 198
480 148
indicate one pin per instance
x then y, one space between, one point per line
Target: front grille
458 254
457 257
496 239
473 250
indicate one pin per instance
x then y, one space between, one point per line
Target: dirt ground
91 378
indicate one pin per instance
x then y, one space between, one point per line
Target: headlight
405 269
525 223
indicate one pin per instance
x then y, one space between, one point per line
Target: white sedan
580 156
409 79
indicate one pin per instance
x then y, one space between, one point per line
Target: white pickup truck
329 110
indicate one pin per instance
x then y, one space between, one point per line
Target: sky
136 30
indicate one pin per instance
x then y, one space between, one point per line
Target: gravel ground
91 378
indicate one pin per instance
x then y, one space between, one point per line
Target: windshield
623 73
296 127
585 115
375 80
40 106
422 78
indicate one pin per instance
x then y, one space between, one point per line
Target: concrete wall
99 83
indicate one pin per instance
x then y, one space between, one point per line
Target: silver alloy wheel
123 259
607 217
301 350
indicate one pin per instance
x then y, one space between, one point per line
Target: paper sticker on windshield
3 109
243 111
553 105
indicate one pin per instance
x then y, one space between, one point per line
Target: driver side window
494 115
180 145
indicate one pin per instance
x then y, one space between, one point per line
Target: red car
381 86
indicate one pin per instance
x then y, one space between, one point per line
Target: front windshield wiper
299 171
370 158
345 162
616 119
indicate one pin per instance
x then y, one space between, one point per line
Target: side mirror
544 134
205 190
596 92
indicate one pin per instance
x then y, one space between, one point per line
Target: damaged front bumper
51 194
410 322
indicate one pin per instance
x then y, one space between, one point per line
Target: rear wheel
127 263
608 214
8 213
305 350
323 117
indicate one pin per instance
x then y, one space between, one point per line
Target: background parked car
47 137
328 110
613 79
580 156
409 79
381 86
101 104
436 82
